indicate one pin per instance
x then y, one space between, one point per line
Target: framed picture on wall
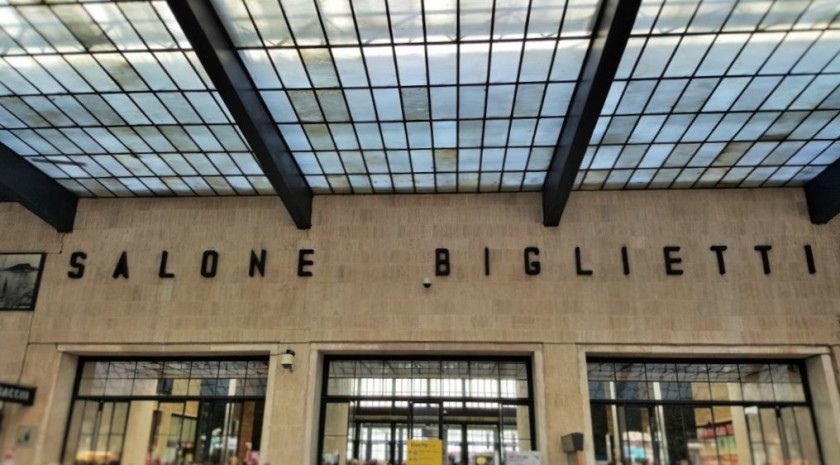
20 278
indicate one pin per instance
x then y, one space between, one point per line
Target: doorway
478 408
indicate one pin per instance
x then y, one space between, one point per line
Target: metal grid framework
167 378
412 96
380 96
109 99
403 379
696 381
721 94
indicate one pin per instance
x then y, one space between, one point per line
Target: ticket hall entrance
467 439
478 408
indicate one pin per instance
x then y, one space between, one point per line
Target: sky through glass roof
414 96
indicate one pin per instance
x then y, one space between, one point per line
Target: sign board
529 457
18 394
425 452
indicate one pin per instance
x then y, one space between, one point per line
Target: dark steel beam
22 182
823 194
611 32
214 49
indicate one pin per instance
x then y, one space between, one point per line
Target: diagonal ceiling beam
206 33
610 35
21 182
823 194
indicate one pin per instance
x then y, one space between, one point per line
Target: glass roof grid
345 182
262 185
698 125
806 174
155 186
540 110
485 180
124 187
628 95
514 98
461 179
782 176
630 159
115 96
53 166
75 187
414 136
30 143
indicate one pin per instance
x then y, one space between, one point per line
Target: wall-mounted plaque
17 394
20 277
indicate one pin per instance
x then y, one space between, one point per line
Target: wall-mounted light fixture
287 359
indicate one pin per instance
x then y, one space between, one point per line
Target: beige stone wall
371 254
20 231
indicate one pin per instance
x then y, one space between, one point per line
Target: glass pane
73 432
454 440
218 431
335 439
675 427
637 435
375 442
95 370
772 436
140 425
481 444
790 435
806 434
165 443
149 370
731 435
516 429
756 382
630 381
703 438
425 419
696 375
605 434
718 434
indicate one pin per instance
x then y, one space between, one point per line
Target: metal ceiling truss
213 46
22 182
610 36
823 194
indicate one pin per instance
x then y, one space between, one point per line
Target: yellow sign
425 452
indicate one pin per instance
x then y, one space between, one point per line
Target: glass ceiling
384 96
109 99
412 96
716 93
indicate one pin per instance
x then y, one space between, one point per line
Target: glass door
375 442
454 440
98 429
400 443
482 444
425 420
638 432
